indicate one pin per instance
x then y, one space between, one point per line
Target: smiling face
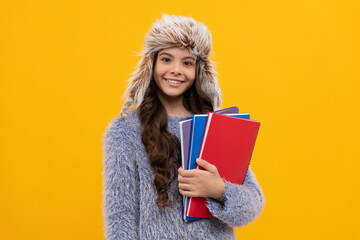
174 72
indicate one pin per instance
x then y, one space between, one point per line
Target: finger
188 173
188 193
185 187
182 179
184 193
183 172
206 165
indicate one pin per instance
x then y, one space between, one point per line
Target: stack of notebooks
224 138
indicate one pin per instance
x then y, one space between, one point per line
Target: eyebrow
165 53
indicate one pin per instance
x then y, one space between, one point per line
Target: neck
173 105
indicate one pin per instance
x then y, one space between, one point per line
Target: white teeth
173 81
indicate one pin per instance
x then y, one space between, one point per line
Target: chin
173 95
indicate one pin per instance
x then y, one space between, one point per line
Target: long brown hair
162 147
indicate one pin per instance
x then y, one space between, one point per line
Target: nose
175 68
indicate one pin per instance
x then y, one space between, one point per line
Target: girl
143 184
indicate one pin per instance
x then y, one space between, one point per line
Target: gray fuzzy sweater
129 207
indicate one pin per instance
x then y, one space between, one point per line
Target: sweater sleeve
121 187
243 203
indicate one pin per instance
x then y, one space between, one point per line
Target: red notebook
228 144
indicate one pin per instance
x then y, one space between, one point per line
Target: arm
243 203
121 189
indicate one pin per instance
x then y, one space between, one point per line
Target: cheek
158 73
160 68
191 75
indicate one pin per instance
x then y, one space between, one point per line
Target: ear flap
209 83
138 83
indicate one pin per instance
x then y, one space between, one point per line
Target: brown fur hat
174 31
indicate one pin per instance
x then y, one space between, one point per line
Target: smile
173 81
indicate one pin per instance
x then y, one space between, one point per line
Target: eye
165 59
188 63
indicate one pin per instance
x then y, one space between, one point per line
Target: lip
173 84
175 79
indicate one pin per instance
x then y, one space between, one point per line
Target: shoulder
121 130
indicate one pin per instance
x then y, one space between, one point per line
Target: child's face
174 71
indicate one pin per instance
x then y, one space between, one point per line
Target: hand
201 183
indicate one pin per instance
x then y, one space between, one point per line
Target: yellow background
293 65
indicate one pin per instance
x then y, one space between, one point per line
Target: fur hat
174 31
